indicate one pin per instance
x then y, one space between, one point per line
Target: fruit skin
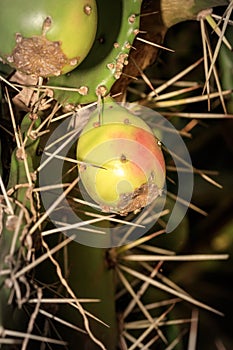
124 167
67 27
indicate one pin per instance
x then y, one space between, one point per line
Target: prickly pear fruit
123 168
46 37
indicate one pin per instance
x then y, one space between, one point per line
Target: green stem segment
12 252
118 24
90 277
175 11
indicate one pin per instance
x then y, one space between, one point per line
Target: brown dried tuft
38 56
140 198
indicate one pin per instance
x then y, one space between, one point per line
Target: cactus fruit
46 37
124 166
118 24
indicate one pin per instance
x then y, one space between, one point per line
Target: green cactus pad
118 24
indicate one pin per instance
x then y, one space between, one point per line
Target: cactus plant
127 287
46 38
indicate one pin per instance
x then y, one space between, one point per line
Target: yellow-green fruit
46 37
124 166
